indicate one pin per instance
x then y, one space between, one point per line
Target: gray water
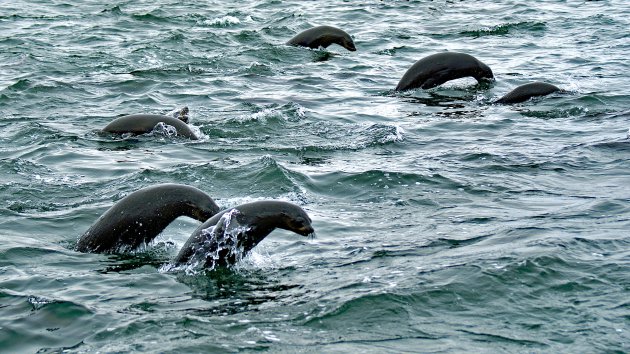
444 223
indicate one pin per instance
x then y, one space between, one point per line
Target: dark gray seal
439 68
323 36
145 123
139 217
527 91
228 236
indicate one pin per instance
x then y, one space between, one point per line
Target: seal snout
349 45
204 214
305 230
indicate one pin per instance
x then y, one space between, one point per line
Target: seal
230 235
145 123
527 91
323 36
141 216
439 68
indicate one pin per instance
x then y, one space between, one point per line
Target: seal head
323 36
139 217
230 235
527 91
439 68
181 114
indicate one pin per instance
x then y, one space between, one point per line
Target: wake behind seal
323 36
145 123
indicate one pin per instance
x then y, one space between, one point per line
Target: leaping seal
145 123
439 68
527 91
141 216
228 236
323 36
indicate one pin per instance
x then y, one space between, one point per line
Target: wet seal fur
228 236
145 123
323 36
527 91
436 69
139 217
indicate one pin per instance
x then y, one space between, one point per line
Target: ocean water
444 223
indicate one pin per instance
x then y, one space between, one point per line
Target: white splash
164 129
397 136
223 21
214 246
262 115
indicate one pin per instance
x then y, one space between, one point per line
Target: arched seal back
527 91
141 216
145 123
323 36
228 236
439 68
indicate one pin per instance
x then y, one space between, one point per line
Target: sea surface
444 223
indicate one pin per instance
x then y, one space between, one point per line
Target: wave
225 21
34 322
534 28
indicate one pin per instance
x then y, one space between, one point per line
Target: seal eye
298 223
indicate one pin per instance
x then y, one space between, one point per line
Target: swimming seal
527 91
145 123
139 217
439 68
228 236
323 36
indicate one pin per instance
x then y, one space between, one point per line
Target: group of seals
426 73
223 239
430 71
227 236
436 69
136 124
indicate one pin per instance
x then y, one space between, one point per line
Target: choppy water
444 223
